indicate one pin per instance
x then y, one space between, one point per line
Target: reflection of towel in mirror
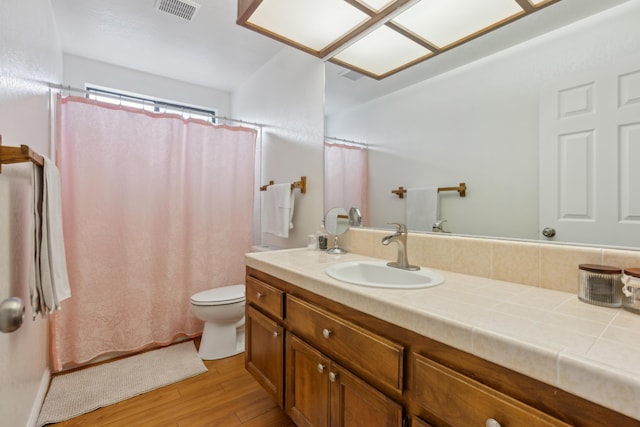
422 208
277 210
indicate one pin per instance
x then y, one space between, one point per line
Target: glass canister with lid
600 285
631 289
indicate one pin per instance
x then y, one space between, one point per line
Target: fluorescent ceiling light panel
379 37
382 51
443 22
376 5
312 23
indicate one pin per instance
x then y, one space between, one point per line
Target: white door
590 156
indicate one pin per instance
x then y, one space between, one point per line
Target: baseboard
39 400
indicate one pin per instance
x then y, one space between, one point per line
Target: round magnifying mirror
336 222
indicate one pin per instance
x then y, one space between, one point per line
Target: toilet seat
219 296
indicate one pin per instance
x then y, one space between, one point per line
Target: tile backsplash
545 265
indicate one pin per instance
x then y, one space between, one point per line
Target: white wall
78 71
30 55
479 124
286 94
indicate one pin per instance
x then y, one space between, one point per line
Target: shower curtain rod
121 97
361 144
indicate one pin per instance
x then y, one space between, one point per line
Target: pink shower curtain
155 209
346 178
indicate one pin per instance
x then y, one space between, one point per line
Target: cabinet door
307 384
355 403
264 355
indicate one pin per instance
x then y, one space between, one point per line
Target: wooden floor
227 395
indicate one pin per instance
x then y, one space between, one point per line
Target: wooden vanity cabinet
321 393
297 340
297 347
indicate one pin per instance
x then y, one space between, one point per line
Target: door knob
11 314
549 232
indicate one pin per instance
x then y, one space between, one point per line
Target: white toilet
222 310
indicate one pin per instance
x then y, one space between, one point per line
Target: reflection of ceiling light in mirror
314 24
382 51
443 22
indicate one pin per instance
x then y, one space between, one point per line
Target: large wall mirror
475 116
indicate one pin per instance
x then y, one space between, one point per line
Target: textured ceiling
210 50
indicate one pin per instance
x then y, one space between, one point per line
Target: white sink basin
377 274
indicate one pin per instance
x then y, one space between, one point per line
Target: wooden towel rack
302 185
19 155
462 189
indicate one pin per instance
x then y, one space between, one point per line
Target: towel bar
462 189
20 154
302 185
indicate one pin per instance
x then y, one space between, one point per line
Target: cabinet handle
276 334
321 367
333 377
326 333
491 423
259 295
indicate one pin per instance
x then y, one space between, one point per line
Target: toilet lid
219 296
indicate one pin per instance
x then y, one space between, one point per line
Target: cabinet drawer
460 401
370 355
266 297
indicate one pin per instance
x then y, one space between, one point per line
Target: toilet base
220 341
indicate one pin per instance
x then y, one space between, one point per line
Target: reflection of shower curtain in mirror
155 209
345 178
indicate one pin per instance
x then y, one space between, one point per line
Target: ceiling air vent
184 9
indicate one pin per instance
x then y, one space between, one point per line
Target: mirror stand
336 222
336 249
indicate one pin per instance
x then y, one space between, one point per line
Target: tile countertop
590 351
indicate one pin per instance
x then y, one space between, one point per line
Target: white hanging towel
277 210
422 208
51 278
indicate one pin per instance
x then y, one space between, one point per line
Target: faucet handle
400 228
